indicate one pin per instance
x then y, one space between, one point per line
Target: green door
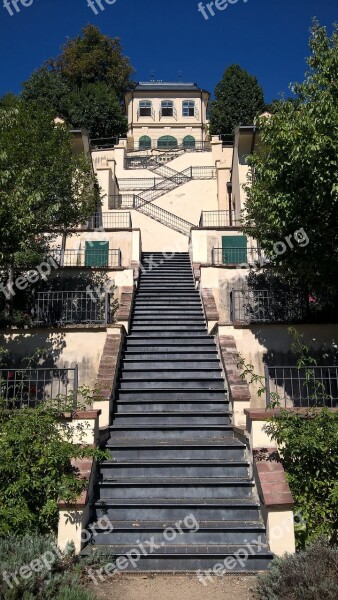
234 249
97 254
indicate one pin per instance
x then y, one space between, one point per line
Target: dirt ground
176 587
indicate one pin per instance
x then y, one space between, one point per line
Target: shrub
61 580
309 575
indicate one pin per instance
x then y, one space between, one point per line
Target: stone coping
259 414
84 467
83 414
272 485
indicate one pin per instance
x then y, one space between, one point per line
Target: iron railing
200 172
136 162
302 387
263 306
121 201
107 220
104 143
138 183
163 216
30 387
95 258
71 308
218 218
181 145
237 256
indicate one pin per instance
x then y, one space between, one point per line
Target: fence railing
30 387
182 145
218 218
138 183
94 258
263 306
302 387
162 216
237 256
121 201
200 172
107 220
71 308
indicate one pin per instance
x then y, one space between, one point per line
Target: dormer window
145 108
188 109
167 108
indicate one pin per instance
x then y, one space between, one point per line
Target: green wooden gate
234 249
97 254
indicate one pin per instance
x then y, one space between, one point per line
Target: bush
59 581
309 451
309 575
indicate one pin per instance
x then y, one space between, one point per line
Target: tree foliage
45 186
85 84
238 100
294 178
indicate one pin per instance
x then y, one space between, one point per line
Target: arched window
167 141
145 108
167 108
188 108
145 142
189 142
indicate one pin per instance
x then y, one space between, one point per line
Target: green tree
238 100
49 90
45 187
294 178
97 108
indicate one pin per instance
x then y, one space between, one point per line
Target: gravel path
176 587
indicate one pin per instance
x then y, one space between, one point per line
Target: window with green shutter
234 249
97 254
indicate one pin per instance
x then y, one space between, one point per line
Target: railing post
267 384
76 386
232 308
213 255
107 307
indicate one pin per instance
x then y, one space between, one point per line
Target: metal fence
218 218
302 387
29 387
120 201
104 143
200 172
138 183
263 306
94 258
163 216
72 308
237 256
107 220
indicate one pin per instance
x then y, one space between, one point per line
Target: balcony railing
72 308
237 256
107 220
218 218
196 146
302 387
200 172
94 259
30 387
263 306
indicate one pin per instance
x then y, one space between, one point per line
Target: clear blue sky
269 38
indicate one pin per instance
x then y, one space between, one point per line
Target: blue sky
269 38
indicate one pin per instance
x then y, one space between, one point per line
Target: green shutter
234 249
97 254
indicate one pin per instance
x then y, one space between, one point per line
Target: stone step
175 468
139 405
229 449
202 488
207 356
133 365
165 432
176 510
170 384
172 394
173 374
152 418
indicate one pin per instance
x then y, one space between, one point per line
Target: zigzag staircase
162 216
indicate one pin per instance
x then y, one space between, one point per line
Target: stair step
202 488
139 405
170 365
135 356
229 449
171 432
172 394
170 418
174 468
174 374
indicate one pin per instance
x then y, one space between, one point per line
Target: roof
167 86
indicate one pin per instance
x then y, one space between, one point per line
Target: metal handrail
97 258
163 216
218 218
236 256
108 220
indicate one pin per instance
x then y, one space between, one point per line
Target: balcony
302 387
107 220
218 218
263 306
95 259
20 388
237 256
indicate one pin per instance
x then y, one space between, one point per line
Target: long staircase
174 457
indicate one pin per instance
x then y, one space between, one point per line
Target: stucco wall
66 348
